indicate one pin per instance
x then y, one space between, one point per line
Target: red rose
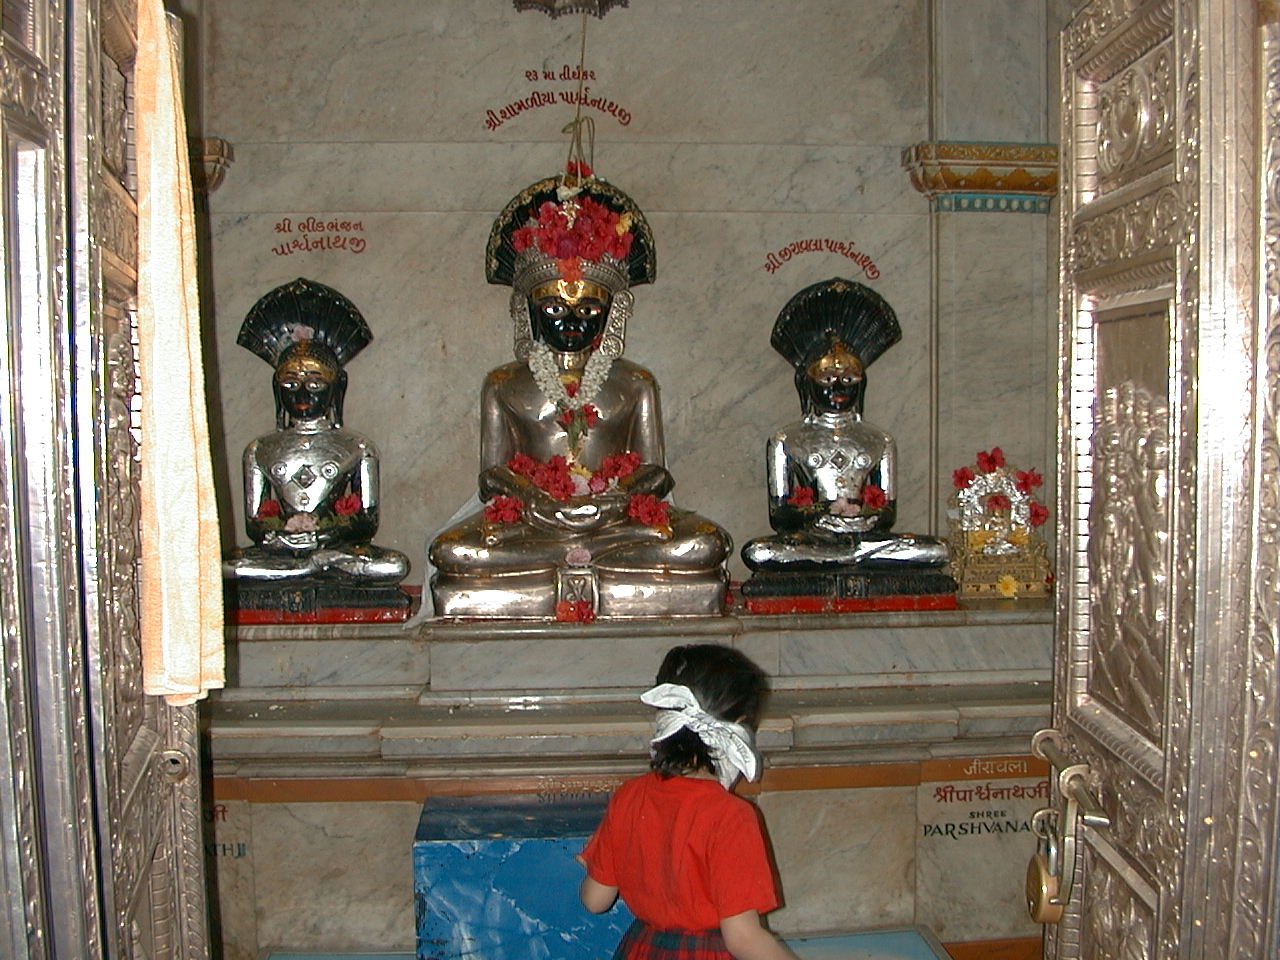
990 462
592 414
619 465
584 611
1028 480
647 509
522 465
270 508
523 238
566 612
579 168
998 501
566 419
962 478
1039 514
348 505
504 510
571 389
801 497
873 497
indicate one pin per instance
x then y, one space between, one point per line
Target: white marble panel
819 71
1019 648
335 876
971 860
845 858
232 878
322 178
405 661
990 76
877 724
997 341
585 660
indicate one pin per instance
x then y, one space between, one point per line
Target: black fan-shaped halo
835 309
304 310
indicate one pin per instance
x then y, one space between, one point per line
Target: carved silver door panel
1163 671
148 764
100 853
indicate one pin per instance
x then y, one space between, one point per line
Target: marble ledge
976 612
469 662
392 738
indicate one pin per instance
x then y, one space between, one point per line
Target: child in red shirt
688 856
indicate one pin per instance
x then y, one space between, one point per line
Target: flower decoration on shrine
271 515
995 521
870 499
576 229
564 480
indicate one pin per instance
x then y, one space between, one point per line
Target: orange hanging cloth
182 644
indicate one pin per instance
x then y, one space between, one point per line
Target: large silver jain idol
311 487
572 463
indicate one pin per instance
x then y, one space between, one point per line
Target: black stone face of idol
837 393
307 394
565 327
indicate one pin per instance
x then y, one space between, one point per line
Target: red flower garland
556 478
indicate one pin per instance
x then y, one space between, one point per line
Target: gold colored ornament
571 292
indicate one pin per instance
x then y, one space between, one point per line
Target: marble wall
376 142
941 843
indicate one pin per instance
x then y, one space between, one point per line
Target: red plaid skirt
643 942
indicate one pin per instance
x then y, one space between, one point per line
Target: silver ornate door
99 798
1169 593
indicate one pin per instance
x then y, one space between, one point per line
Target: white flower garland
546 374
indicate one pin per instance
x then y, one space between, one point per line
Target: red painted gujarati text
845 248
493 119
314 233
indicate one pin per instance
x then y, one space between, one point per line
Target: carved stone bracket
210 156
984 177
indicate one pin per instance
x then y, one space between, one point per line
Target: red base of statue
311 603
774 605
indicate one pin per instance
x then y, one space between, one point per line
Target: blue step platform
495 878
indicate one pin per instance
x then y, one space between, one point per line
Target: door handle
1051 874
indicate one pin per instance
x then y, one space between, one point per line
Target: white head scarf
731 745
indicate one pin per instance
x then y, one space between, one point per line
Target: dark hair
728 685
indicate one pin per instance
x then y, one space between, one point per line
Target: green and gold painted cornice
984 177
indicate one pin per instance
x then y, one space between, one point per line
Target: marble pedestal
495 877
